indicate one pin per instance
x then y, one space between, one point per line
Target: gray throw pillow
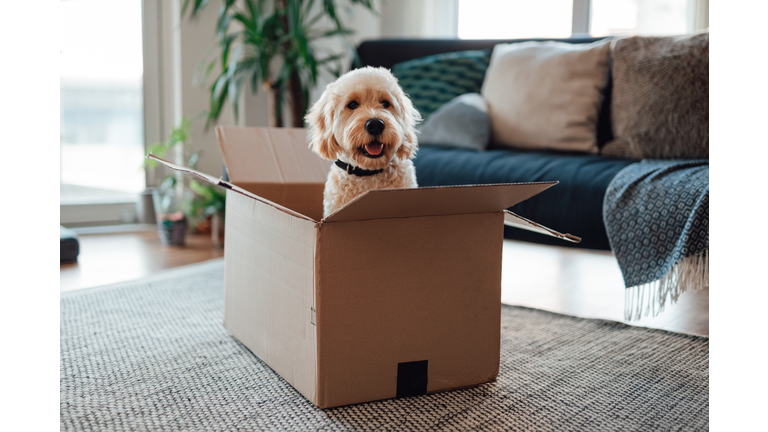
463 122
660 102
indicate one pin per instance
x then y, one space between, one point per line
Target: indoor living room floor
558 279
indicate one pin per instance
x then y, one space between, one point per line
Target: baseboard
114 229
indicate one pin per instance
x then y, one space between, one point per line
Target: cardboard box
396 294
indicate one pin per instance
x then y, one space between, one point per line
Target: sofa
573 206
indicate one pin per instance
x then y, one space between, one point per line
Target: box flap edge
227 185
340 213
514 220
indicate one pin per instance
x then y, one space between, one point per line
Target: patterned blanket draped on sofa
656 215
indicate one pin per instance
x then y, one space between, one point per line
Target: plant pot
171 223
172 229
204 226
217 230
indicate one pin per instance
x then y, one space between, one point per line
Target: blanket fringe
689 274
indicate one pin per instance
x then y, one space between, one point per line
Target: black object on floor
70 245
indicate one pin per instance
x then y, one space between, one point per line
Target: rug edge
158 276
610 322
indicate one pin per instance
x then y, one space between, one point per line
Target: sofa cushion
660 107
463 123
574 206
546 95
432 81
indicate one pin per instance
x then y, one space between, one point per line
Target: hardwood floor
587 284
110 258
568 281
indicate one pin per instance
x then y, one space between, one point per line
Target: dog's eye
353 105
385 104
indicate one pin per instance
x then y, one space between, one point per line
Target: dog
366 124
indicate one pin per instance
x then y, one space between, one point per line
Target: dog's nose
374 126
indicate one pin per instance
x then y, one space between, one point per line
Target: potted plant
171 220
272 43
180 201
207 206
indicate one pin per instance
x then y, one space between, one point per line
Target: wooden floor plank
111 258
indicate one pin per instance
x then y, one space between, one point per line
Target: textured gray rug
153 355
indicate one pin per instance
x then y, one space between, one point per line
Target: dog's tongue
373 148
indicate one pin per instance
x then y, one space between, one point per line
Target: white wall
419 19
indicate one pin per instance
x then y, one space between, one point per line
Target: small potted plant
207 207
182 203
171 220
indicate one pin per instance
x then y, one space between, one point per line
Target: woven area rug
153 355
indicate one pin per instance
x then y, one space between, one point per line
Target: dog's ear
411 117
320 121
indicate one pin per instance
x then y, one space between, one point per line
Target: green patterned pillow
432 81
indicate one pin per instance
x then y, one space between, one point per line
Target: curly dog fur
364 119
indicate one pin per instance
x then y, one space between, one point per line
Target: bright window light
515 19
102 136
639 17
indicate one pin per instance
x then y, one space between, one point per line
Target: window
101 138
514 19
519 19
639 17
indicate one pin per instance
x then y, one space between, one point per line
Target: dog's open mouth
373 150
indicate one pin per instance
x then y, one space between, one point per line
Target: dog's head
364 118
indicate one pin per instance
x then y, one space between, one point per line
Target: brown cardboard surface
230 186
304 198
207 177
514 220
388 203
270 155
269 288
397 275
407 289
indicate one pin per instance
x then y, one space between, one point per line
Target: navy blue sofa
574 206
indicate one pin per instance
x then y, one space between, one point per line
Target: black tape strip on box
412 378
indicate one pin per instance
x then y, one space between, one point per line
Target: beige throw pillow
546 95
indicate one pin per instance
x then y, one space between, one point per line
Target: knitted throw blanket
656 215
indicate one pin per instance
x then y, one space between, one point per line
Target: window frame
698 17
153 102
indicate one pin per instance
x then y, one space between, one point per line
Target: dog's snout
374 126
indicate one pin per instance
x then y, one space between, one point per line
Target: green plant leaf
225 45
222 24
330 59
307 7
196 9
193 159
248 22
169 182
329 33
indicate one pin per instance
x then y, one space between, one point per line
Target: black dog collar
360 172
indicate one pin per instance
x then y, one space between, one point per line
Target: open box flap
431 201
270 155
219 182
513 220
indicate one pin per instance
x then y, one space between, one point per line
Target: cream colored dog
367 125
